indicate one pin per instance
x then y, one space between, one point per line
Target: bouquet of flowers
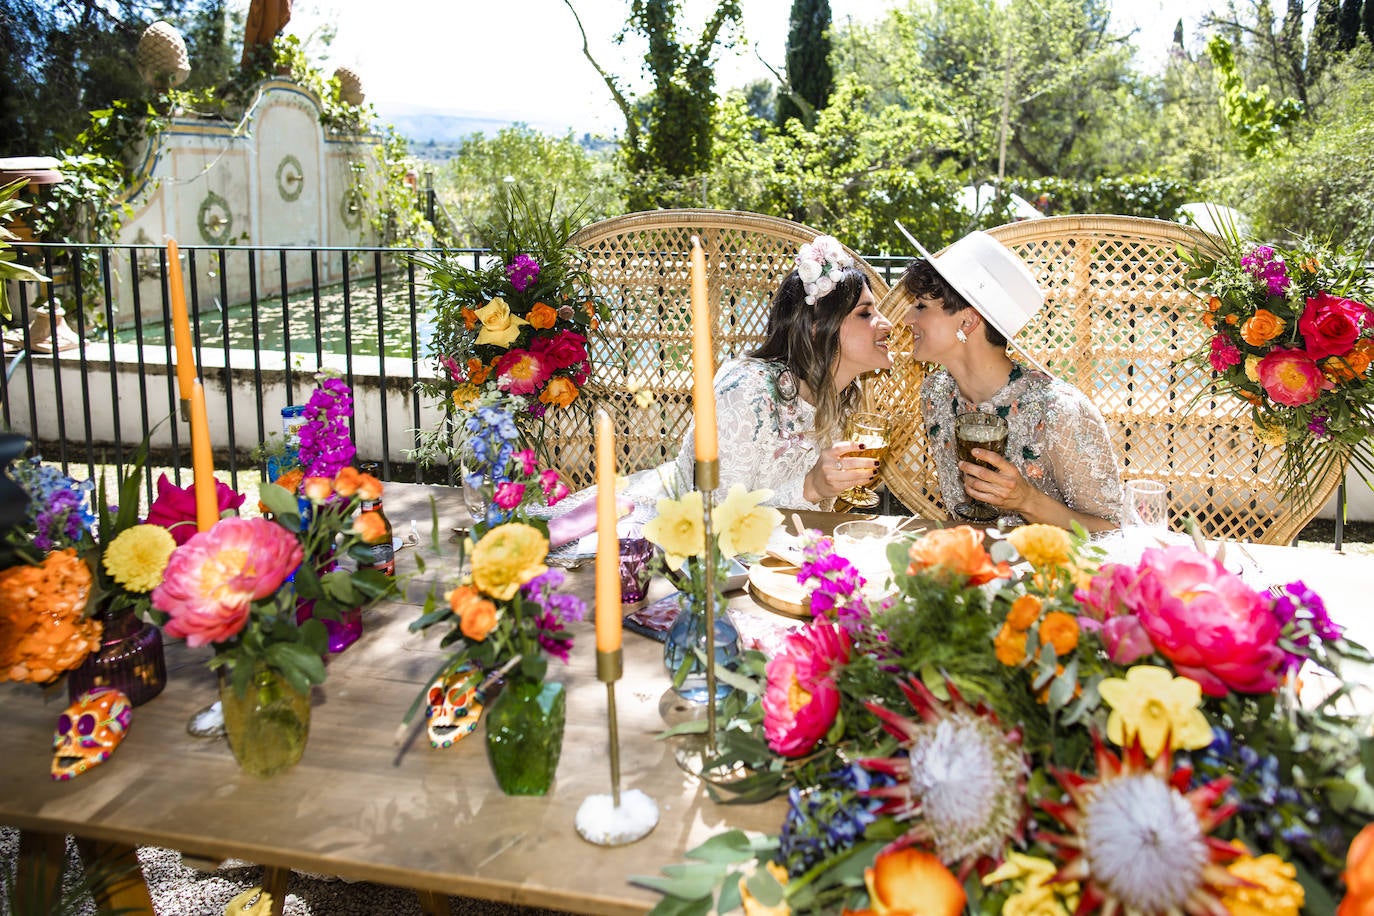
1056 737
1293 336
516 326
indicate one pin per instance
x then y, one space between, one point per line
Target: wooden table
433 820
427 819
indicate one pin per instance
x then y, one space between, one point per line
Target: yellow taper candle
607 542
181 324
202 461
703 361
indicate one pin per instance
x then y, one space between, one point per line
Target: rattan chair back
1119 317
642 366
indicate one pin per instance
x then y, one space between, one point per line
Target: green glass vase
267 727
525 735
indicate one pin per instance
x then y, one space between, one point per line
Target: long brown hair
806 340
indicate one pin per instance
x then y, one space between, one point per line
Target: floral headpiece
819 263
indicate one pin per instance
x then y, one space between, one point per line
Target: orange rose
559 392
958 551
370 527
1261 327
290 482
469 319
1025 611
318 489
1351 366
1213 304
911 881
476 615
542 316
369 487
1060 630
1209 319
1009 645
1231 318
346 482
1359 875
477 371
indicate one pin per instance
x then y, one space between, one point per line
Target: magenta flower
509 494
1121 632
326 441
212 580
175 507
1290 377
555 490
528 462
523 271
1268 269
1224 354
801 700
1213 627
1317 426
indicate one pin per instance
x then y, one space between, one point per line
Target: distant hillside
421 127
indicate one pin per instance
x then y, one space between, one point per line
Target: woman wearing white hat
1059 466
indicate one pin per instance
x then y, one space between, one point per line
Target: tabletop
358 807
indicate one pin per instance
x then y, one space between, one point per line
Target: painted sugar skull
89 730
455 706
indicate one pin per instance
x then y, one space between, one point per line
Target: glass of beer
871 431
976 429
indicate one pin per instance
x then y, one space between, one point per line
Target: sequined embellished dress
1056 437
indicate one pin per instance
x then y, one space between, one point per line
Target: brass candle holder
707 479
615 819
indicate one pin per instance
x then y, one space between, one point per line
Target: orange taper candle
181 324
607 541
202 461
703 361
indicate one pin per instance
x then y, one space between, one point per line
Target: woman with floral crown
1059 467
781 408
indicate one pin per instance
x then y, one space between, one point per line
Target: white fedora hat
991 278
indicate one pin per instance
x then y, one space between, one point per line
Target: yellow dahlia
1042 545
137 557
1272 890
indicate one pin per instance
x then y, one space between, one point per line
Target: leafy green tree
810 78
1258 121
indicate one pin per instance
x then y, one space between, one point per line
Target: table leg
118 876
274 881
433 903
41 858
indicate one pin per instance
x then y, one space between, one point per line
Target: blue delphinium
827 818
59 506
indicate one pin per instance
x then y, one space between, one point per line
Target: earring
961 336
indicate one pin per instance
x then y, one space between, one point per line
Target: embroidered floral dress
1056 437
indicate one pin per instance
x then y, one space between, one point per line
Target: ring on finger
839 464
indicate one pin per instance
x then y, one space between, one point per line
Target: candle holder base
599 821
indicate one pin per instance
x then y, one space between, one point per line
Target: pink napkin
582 521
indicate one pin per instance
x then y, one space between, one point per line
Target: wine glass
871 430
1147 506
475 497
975 429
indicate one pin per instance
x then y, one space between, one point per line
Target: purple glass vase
129 659
343 632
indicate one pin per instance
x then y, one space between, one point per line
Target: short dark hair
922 280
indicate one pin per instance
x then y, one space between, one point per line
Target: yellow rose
507 557
499 327
1041 545
678 528
742 524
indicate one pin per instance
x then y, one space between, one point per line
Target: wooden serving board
773 584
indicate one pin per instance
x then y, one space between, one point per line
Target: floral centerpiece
1293 336
740 526
517 326
506 612
1057 737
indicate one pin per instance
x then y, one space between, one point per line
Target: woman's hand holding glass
868 439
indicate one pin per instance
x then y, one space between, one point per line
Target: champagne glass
975 429
871 430
1147 506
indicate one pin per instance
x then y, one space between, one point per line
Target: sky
522 59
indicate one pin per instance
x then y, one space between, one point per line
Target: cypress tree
1350 24
1326 36
809 74
1368 18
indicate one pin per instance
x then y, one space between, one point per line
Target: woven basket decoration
161 56
640 265
1119 316
350 85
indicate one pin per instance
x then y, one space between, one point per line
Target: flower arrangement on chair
1058 736
517 326
1293 336
504 615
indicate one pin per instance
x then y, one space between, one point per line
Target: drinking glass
474 493
635 574
871 430
1147 505
864 544
976 429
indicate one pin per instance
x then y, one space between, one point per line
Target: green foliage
1258 121
1153 196
9 268
810 78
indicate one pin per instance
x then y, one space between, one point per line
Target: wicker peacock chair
640 264
1119 316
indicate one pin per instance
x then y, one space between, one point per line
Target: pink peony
1105 613
175 507
1224 354
1213 627
801 699
1330 325
1290 377
522 372
508 494
212 580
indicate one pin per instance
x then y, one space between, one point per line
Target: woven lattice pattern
642 363
1118 319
